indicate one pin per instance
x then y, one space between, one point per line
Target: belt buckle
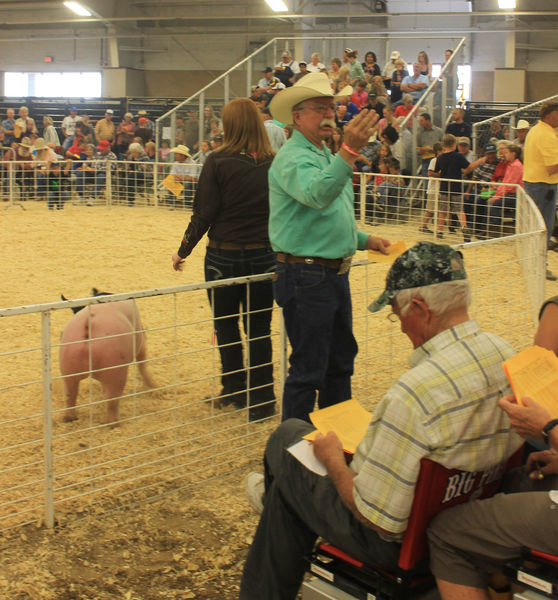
345 265
309 261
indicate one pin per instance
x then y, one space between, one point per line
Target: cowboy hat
181 149
522 124
313 85
26 142
39 144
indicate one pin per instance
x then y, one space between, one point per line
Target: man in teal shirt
313 231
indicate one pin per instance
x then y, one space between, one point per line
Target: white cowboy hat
26 142
181 149
313 85
39 144
522 124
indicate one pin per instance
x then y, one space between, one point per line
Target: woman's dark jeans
254 301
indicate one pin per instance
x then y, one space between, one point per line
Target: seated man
444 408
469 542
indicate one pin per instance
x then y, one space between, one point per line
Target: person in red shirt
505 196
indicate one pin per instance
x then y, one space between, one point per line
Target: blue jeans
498 207
97 178
317 309
227 303
544 196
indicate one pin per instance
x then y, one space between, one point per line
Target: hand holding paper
393 251
534 373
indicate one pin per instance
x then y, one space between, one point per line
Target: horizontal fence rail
174 428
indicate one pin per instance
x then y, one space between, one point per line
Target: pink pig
107 358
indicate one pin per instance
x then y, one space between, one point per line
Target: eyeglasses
321 108
392 317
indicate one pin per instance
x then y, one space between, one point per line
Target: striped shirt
444 408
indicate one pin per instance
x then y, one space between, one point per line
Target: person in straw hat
313 231
24 169
185 171
42 157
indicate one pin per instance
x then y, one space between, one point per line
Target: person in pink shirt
360 95
505 196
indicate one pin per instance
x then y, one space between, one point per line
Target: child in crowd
451 164
205 151
432 190
390 191
58 184
164 151
372 183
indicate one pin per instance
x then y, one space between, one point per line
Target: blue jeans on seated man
317 310
544 196
497 209
254 382
299 506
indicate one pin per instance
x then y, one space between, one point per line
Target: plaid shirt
444 408
485 171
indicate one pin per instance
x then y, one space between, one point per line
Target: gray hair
135 147
441 298
129 114
407 98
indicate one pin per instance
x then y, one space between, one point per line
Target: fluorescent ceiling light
78 9
506 3
277 5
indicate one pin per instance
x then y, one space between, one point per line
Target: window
49 85
463 91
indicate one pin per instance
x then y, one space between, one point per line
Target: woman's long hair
244 131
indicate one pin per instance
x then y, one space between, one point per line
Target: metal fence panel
174 435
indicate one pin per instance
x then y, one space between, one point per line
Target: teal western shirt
311 198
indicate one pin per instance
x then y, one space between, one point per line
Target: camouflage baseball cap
425 263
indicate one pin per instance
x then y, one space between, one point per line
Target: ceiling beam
236 17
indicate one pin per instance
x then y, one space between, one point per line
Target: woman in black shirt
231 202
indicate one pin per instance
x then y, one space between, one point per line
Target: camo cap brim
425 263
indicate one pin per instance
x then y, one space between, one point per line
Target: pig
82 351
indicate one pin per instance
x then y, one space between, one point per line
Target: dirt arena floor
190 543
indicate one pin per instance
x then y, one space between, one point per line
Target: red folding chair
437 489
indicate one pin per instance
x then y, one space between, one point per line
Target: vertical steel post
47 419
227 90
249 77
282 354
108 182
201 129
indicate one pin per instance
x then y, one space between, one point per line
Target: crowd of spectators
470 204
51 163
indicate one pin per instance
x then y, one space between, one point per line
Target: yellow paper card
533 372
394 251
175 187
347 419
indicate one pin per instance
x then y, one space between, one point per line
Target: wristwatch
547 428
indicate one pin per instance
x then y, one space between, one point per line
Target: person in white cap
389 67
312 228
69 127
105 129
288 61
522 129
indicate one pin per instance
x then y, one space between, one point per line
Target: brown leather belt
341 265
232 246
